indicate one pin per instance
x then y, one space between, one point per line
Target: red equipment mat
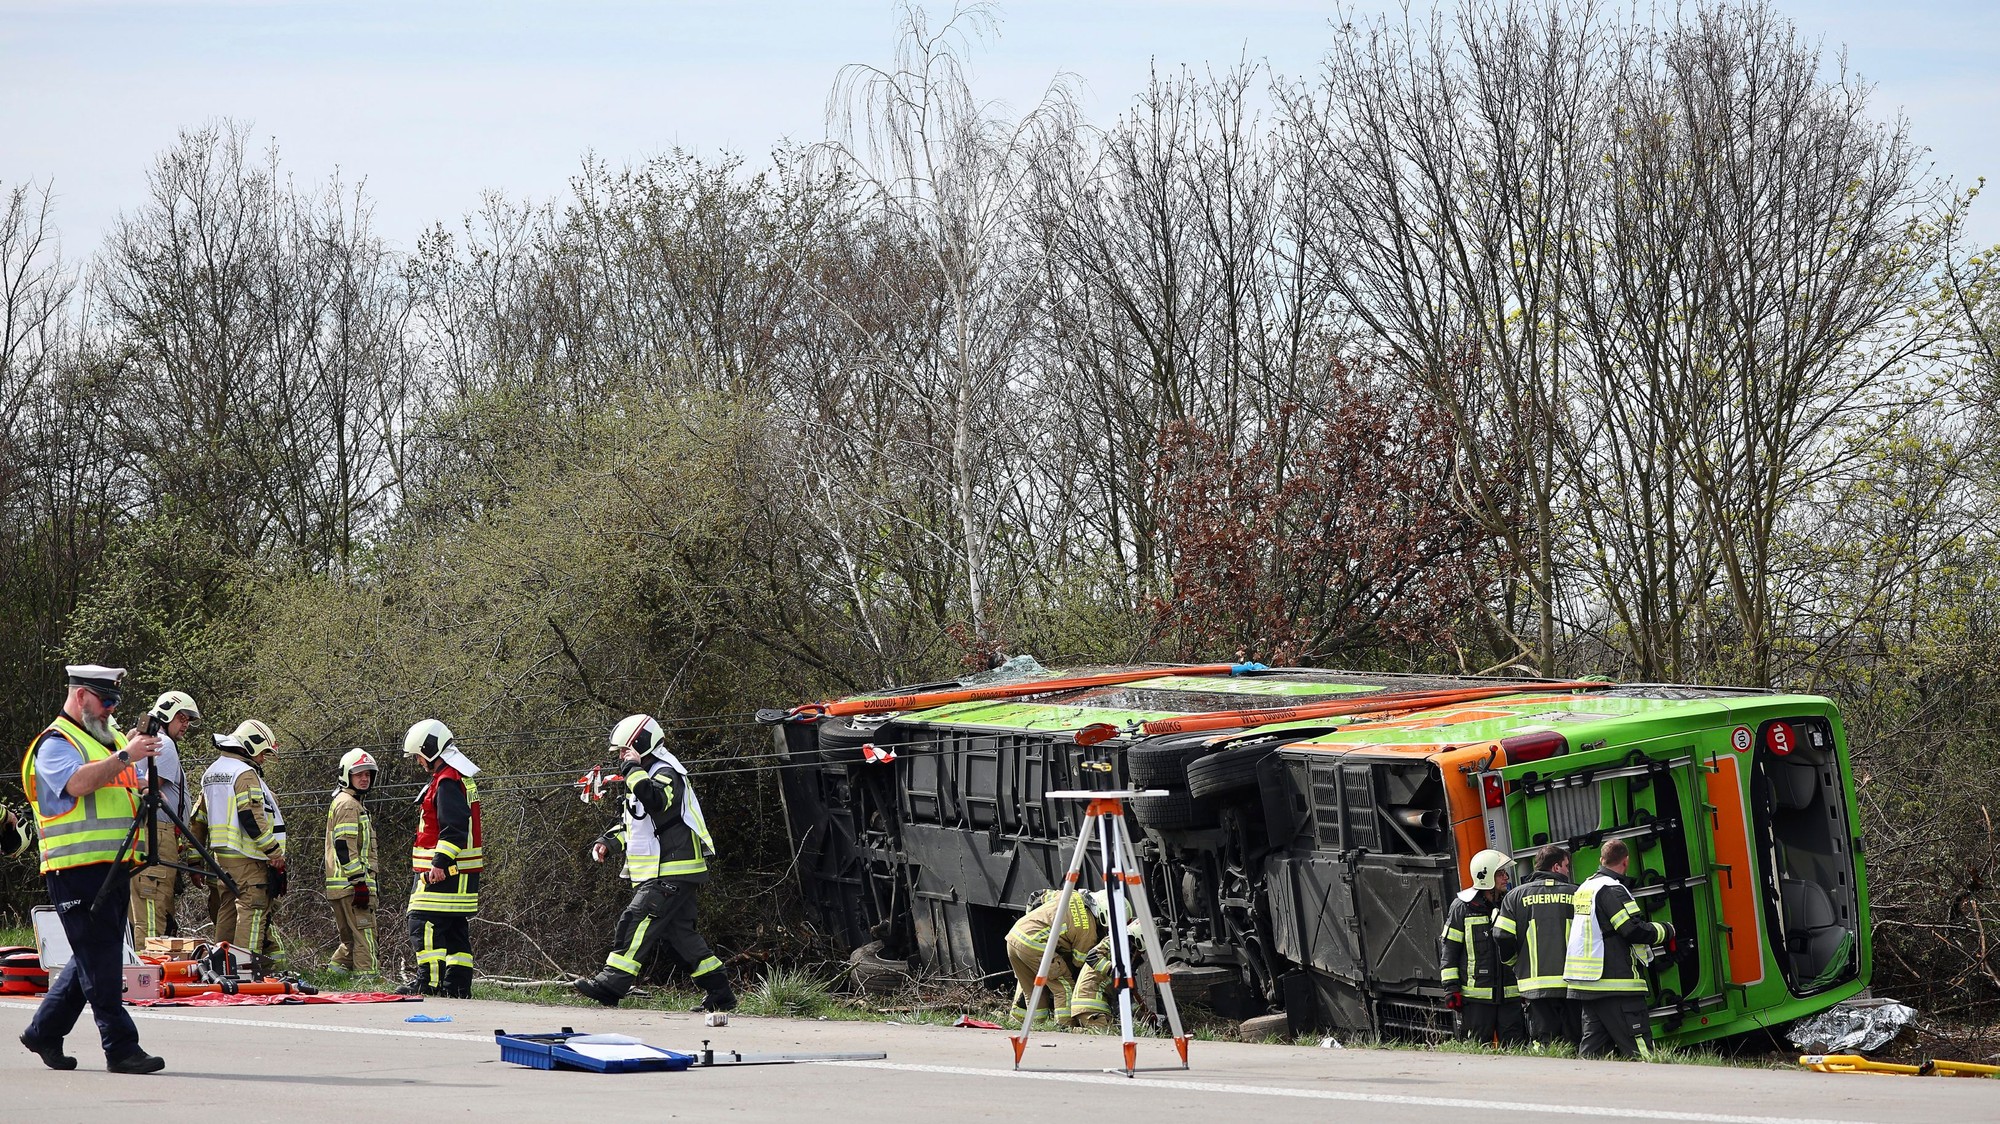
218 1000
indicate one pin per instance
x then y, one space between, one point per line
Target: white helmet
173 704
431 740
1100 905
254 738
640 734
427 739
1485 865
355 761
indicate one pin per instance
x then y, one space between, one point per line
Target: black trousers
1614 1024
1482 1020
444 952
662 914
1555 1019
95 973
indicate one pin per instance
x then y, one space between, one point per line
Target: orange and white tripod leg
1055 935
1149 932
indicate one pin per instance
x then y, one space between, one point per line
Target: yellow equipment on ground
1855 1063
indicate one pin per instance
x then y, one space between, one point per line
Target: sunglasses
108 698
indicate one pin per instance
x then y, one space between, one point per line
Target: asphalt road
365 1063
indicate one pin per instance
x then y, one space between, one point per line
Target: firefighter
667 848
351 864
1609 942
1083 930
1532 934
1096 995
1483 993
154 887
246 833
78 773
447 857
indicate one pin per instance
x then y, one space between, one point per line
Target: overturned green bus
1315 823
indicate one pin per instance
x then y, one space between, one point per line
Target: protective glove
1455 1001
1668 942
361 898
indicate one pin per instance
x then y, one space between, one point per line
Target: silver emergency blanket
1854 1027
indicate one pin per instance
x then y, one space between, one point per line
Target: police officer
351 864
1483 992
1082 930
1532 934
1609 941
447 856
153 888
667 847
78 772
246 833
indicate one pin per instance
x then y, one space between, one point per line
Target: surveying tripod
1104 821
151 808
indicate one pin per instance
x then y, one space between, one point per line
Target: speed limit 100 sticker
1741 739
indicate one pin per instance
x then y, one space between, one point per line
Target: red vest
470 857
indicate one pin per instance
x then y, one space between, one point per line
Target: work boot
606 987
720 1000
414 987
138 1061
51 1052
457 983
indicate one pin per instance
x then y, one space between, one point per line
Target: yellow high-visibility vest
94 828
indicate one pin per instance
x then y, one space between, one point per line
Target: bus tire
1264 1028
1227 773
1176 811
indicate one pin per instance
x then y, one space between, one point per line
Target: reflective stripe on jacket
1532 933
1079 935
459 858
1468 960
661 843
348 821
94 828
1606 926
231 788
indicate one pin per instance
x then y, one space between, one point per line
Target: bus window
1803 830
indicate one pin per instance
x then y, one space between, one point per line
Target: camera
153 724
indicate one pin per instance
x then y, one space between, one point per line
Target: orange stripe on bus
1738 884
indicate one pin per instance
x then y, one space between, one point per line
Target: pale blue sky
435 102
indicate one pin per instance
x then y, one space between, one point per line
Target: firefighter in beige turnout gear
1084 930
351 862
667 848
246 833
154 888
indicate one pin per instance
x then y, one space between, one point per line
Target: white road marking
1599 1111
162 1016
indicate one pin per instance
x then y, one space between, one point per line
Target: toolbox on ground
142 980
595 1053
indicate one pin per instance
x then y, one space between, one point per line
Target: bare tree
261 334
1450 159
949 173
